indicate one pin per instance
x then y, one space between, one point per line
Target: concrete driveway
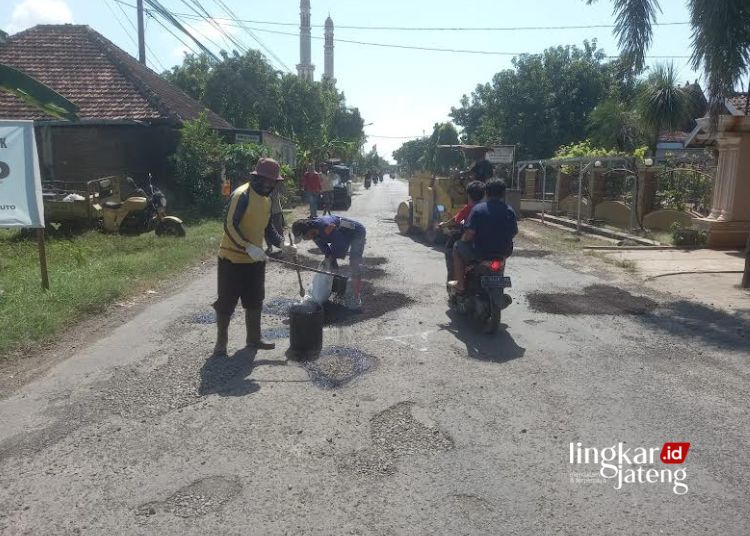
411 423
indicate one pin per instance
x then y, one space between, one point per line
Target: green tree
441 161
540 104
192 76
197 164
614 125
410 156
662 104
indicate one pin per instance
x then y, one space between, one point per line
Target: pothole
277 333
338 366
595 300
279 306
204 318
375 303
196 499
396 430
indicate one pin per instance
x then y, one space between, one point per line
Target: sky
401 93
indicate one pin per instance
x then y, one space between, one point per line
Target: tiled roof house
129 115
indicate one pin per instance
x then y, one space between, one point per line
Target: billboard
501 154
20 180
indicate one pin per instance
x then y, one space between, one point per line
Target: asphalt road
440 430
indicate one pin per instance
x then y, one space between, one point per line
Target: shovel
299 274
339 281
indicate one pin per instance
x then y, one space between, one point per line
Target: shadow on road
690 320
498 348
228 376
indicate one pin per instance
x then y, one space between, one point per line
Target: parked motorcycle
141 212
484 297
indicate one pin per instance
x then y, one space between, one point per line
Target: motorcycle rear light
496 265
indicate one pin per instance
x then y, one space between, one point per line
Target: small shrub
687 236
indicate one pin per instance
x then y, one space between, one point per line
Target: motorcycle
141 212
484 297
368 182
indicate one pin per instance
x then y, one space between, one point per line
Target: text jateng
636 465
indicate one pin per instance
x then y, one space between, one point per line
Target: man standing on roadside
242 261
311 185
327 178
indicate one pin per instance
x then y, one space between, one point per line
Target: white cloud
208 34
31 12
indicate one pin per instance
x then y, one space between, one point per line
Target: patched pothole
279 306
196 499
204 318
594 300
401 430
338 366
396 430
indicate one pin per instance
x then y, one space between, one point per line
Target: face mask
260 187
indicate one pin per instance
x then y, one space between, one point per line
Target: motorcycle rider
474 195
336 237
242 261
489 233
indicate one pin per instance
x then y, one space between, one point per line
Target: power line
436 49
169 31
433 28
154 57
269 51
161 10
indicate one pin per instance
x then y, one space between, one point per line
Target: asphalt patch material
397 431
196 499
595 300
279 306
338 366
204 318
375 303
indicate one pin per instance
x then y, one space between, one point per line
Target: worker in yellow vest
242 260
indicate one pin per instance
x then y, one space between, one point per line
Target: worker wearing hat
242 261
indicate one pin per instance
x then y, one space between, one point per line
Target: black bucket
305 330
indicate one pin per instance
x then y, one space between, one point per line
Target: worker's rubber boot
252 324
222 335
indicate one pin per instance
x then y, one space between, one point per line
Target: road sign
501 154
20 180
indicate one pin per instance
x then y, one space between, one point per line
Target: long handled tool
299 274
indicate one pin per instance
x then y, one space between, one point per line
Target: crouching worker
336 236
242 261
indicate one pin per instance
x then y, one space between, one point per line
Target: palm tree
721 45
662 103
721 40
614 125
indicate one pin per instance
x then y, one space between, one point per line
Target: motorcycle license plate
495 281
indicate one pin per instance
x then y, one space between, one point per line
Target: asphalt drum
306 330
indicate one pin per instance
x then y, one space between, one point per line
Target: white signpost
502 154
21 184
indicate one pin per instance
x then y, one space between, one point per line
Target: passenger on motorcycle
336 237
474 194
488 234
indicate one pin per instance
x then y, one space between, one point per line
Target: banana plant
33 92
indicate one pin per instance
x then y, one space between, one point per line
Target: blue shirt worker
336 237
489 232
242 261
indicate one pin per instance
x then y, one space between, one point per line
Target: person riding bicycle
489 233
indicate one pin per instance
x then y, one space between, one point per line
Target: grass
87 273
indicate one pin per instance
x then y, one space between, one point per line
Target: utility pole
141 35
